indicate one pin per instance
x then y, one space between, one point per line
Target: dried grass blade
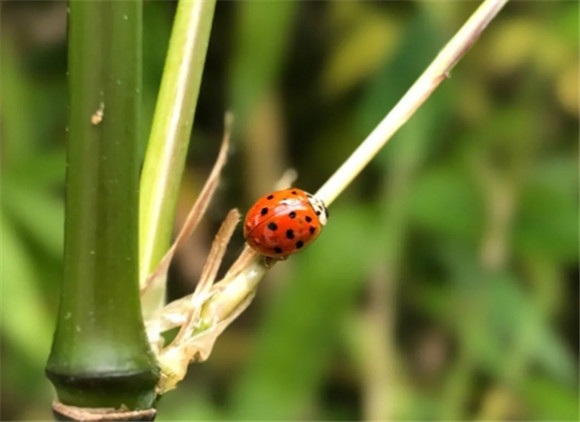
208 275
197 211
173 314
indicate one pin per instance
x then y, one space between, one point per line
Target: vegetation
100 356
445 285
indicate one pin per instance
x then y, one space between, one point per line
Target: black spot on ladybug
278 249
292 214
290 234
294 192
317 212
264 211
312 229
308 219
272 226
270 197
299 244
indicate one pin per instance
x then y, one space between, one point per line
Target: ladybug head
319 208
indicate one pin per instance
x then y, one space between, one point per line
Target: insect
284 222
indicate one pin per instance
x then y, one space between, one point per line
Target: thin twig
437 71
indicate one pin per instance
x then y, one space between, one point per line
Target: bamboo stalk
100 355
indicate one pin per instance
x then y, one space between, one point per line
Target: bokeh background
445 286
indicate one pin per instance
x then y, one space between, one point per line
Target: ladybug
284 222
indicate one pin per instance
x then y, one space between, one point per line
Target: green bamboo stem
100 355
169 139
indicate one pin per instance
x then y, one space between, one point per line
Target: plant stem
169 138
100 355
437 71
233 296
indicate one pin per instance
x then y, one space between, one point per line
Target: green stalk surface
100 355
169 138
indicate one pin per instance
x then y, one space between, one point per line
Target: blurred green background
445 285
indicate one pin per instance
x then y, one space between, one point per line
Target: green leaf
548 224
446 202
419 43
44 170
25 321
258 58
17 132
38 213
551 400
360 47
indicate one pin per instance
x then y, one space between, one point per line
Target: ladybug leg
269 261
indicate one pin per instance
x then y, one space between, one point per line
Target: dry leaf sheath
175 358
154 285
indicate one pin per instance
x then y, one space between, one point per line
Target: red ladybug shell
284 222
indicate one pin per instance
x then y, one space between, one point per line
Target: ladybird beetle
284 222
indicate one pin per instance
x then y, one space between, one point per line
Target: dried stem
437 71
197 211
208 274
